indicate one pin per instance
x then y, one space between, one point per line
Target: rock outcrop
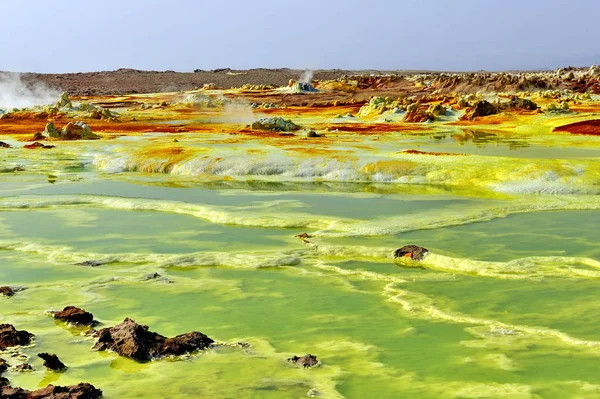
482 108
52 362
80 391
304 361
75 315
411 251
4 145
135 341
10 336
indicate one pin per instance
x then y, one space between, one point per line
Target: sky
183 35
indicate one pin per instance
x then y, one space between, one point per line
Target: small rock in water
52 362
7 291
4 145
3 365
90 263
75 315
10 336
37 144
157 277
411 251
304 361
136 342
24 368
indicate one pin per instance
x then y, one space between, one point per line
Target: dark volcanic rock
7 291
52 362
304 361
3 365
157 277
4 145
9 336
24 368
483 108
80 391
37 144
411 251
75 315
3 382
135 341
90 263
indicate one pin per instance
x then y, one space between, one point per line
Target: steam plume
14 93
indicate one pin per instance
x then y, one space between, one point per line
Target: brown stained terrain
126 81
369 82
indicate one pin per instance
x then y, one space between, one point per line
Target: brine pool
505 305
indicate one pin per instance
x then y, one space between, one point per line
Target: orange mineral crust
589 128
439 154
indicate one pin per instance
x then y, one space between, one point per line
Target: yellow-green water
505 306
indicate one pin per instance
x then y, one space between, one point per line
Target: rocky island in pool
284 234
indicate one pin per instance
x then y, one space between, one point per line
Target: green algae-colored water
504 306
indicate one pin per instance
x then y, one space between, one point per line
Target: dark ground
132 81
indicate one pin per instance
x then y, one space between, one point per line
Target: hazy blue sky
72 36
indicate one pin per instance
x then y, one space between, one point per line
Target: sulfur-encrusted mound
517 103
64 101
378 105
71 131
135 341
204 100
436 110
302 87
277 124
560 108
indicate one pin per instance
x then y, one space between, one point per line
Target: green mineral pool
504 306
